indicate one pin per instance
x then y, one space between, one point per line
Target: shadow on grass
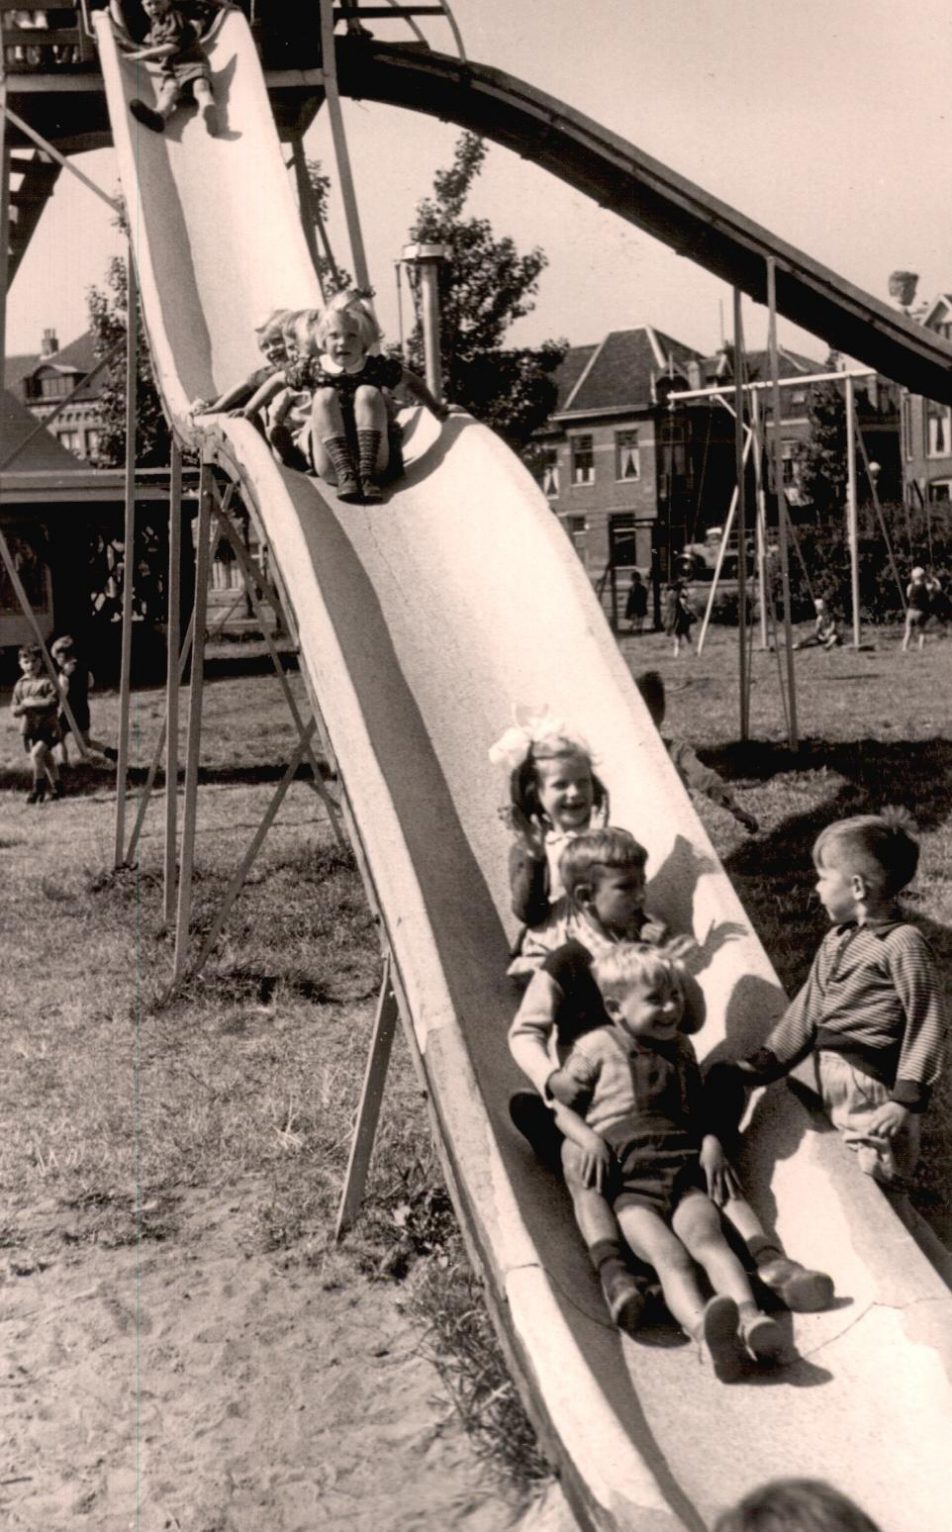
81 781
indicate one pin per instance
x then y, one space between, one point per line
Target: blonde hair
630 963
355 310
272 326
302 326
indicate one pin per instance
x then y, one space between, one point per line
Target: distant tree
108 308
334 278
484 288
822 457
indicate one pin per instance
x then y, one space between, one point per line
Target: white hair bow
533 726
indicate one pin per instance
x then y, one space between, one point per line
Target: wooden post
721 552
740 470
4 223
128 557
157 754
345 177
371 1097
193 746
173 673
852 516
774 360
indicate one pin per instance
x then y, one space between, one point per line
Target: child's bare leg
624 1292
206 105
697 1223
370 414
45 765
652 1241
802 1290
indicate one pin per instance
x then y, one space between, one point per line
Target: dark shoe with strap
802 1291
625 1298
144 113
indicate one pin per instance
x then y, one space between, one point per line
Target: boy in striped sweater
871 1011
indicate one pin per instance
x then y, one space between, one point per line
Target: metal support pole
128 557
761 531
741 471
721 552
4 224
173 673
368 1111
61 159
427 258
157 754
193 745
852 515
244 867
781 501
345 177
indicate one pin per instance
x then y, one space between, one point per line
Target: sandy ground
203 1389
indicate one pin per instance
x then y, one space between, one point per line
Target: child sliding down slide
173 54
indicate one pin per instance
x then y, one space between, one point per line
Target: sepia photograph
476 766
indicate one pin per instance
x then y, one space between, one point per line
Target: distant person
75 680
679 615
631 1104
173 54
795 1505
636 606
697 777
35 705
870 1014
352 438
919 594
826 631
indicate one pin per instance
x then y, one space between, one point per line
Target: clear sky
827 121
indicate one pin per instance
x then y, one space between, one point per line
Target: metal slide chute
420 623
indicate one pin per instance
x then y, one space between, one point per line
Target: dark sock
338 450
606 1251
368 450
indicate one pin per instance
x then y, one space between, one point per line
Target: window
627 457
55 385
791 474
940 492
906 426
583 460
70 440
92 444
938 429
550 472
577 528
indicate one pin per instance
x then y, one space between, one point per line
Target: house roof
44 452
622 371
574 364
78 357
790 364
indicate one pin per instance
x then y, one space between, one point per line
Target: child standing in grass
870 1013
35 704
631 1106
603 873
75 680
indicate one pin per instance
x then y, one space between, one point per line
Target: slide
421 622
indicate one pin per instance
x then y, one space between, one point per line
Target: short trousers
82 724
48 735
654 1173
851 1097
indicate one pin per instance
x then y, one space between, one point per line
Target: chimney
49 344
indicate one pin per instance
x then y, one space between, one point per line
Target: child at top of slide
352 438
172 51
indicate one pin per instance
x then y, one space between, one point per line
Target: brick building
42 381
927 428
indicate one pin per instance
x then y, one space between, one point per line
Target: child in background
553 795
631 1106
679 616
75 681
695 776
271 343
918 606
826 632
35 703
353 439
870 1012
172 51
603 873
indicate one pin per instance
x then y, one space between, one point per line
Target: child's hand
562 1088
201 406
681 948
530 832
887 1120
594 1157
722 1182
